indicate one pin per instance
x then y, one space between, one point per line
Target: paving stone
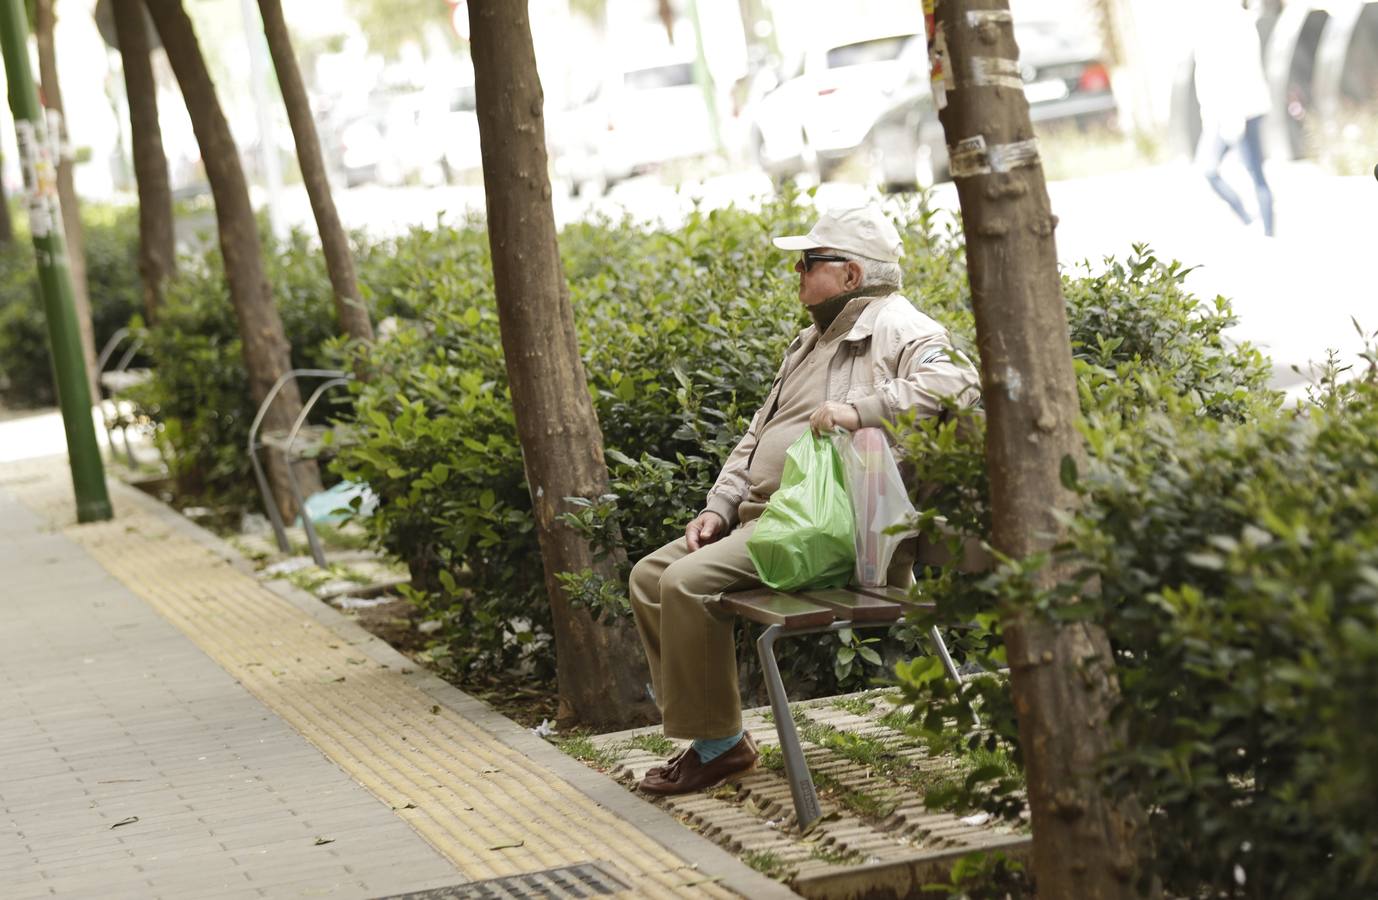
153 679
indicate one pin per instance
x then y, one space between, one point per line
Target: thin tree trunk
667 18
45 22
339 262
157 245
1087 844
267 354
601 674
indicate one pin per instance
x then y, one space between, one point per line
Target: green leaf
1068 472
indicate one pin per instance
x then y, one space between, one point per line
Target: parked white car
637 120
816 118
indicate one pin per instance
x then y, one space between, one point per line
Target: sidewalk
172 727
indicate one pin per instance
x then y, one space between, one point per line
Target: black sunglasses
810 258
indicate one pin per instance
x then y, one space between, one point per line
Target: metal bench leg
951 667
317 553
944 655
801 788
128 449
270 503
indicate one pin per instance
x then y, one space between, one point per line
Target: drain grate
583 880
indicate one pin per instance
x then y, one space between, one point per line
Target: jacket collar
866 322
861 328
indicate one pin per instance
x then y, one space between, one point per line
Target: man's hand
834 415
706 529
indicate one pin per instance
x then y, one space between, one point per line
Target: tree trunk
267 354
1124 49
667 18
1087 844
45 22
601 674
157 245
339 262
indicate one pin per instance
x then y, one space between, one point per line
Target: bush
1239 577
112 275
1228 544
200 394
677 360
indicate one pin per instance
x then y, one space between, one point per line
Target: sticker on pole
939 67
40 178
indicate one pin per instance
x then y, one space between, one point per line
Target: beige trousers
689 643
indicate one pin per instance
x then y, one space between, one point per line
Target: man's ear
853 275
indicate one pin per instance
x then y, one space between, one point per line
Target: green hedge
200 395
1238 564
116 292
1229 545
680 332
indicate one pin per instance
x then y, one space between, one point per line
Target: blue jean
1211 151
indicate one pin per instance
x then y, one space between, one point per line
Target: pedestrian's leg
698 687
1251 149
1209 152
643 588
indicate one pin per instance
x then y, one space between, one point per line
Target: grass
654 744
877 755
765 862
772 759
836 856
897 719
312 578
582 748
965 759
864 804
1071 152
857 706
1343 144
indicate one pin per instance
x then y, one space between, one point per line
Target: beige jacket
893 359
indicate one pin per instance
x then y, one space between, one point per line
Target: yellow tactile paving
490 810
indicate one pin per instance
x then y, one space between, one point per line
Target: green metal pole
54 279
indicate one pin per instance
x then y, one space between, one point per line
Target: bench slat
895 595
771 608
856 607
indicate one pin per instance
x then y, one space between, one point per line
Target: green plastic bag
804 538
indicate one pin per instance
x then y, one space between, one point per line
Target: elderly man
868 356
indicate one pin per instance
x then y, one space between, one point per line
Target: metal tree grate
583 880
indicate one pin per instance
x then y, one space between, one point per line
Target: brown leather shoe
669 764
685 773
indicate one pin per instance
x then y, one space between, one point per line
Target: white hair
876 273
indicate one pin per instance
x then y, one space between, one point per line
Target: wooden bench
813 612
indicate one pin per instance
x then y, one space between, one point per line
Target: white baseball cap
865 231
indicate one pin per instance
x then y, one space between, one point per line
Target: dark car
1065 81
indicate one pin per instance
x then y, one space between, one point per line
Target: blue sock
710 749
